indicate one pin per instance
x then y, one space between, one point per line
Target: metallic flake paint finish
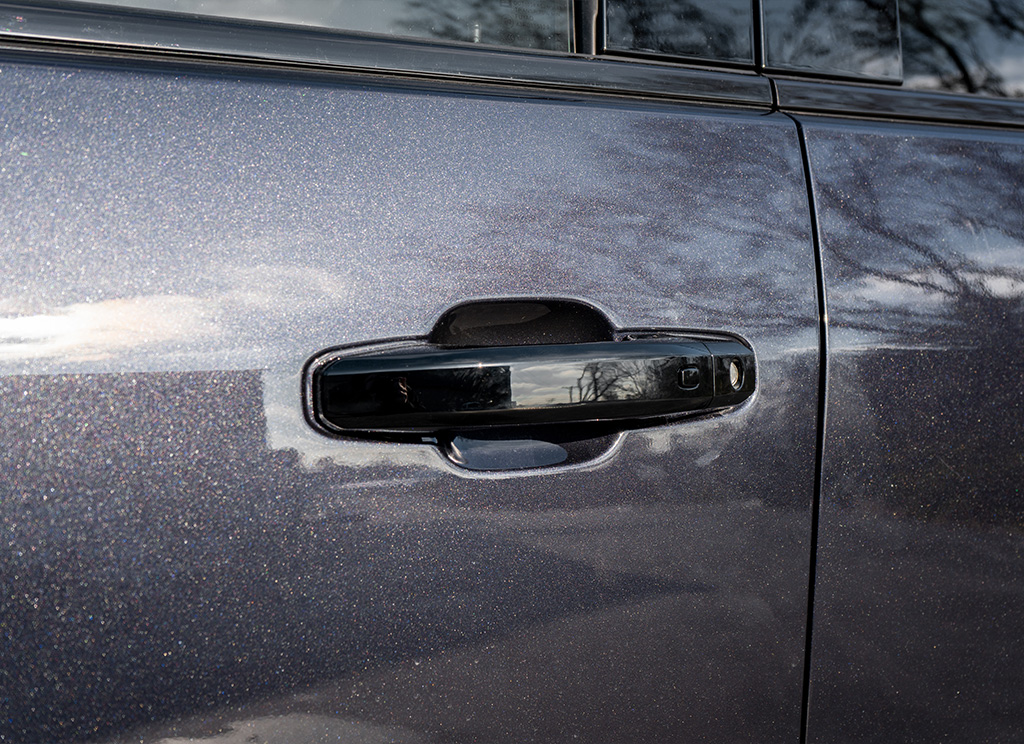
183 555
918 620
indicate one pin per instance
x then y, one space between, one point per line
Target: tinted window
537 24
710 29
857 38
967 46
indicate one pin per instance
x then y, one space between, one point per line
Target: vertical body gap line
821 425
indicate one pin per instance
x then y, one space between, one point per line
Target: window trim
67 28
884 102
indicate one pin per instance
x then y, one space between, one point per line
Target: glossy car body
192 210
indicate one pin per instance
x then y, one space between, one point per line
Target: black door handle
429 389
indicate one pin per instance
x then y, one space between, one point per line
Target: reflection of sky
891 292
235 229
364 15
544 384
1010 67
391 17
975 41
85 332
923 236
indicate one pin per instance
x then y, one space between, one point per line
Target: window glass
858 38
710 29
535 24
966 46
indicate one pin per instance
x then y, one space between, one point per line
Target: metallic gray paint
181 551
918 626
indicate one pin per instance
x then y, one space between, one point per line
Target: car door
917 620
187 223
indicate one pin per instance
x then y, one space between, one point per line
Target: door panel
917 623
185 556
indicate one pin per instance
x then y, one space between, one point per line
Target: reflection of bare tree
923 246
851 37
594 383
955 45
692 212
623 381
923 256
942 260
968 46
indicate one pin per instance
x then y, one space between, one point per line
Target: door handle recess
426 389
